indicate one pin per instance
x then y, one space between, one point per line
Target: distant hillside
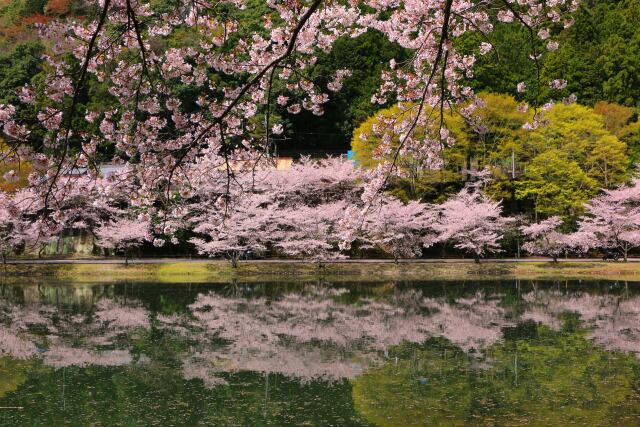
18 17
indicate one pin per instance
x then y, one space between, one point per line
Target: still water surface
317 353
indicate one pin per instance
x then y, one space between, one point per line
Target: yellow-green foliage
492 144
13 373
557 378
23 170
568 159
622 122
582 141
556 185
421 181
366 138
580 133
499 114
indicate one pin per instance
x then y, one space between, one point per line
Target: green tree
622 122
600 54
616 117
495 136
422 181
17 67
19 8
581 134
608 161
493 140
555 185
502 69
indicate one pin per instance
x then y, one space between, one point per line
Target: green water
321 354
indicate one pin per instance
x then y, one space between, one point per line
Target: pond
317 353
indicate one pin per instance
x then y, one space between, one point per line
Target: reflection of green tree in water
12 374
156 395
553 378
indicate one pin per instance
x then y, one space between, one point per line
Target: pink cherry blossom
544 238
472 221
613 219
558 84
485 48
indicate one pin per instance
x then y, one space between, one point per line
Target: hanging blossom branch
441 48
143 135
70 113
251 83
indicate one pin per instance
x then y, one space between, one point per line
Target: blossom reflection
316 332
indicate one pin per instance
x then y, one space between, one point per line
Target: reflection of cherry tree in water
614 320
308 334
53 334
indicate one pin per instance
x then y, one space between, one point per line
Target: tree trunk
235 258
468 164
625 253
4 258
126 258
413 183
555 257
476 259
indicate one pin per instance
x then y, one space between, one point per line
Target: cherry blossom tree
10 230
545 238
400 229
311 232
472 221
295 212
88 202
316 210
20 226
123 234
613 219
83 204
242 227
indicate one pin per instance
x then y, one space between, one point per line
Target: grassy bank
219 272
